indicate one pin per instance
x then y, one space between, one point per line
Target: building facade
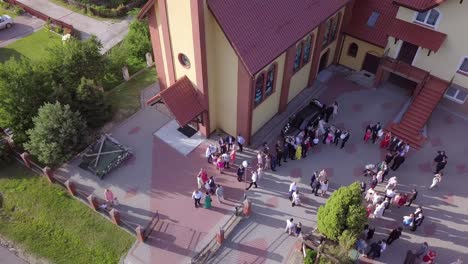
245 62
236 64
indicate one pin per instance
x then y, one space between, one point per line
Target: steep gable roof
260 30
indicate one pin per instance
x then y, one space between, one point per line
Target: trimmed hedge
107 9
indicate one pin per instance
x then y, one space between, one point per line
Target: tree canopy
343 211
57 132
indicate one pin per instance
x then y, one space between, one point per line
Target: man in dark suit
397 162
344 138
412 197
375 130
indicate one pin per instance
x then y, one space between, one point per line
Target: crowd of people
296 147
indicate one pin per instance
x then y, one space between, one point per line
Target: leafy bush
311 255
57 133
93 107
343 211
131 52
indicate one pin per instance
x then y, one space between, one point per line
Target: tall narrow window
307 50
353 50
334 28
297 59
258 95
270 81
327 33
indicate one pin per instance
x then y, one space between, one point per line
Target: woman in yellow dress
298 152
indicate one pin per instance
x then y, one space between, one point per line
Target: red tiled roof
362 10
419 5
181 99
417 35
260 30
145 9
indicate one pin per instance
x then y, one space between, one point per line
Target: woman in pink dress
220 164
368 135
233 154
109 196
386 140
203 175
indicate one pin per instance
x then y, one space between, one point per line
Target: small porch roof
182 101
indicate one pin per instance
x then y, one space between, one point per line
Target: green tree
138 40
91 103
68 63
57 133
23 89
343 211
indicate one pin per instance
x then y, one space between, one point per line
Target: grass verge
33 46
125 98
46 222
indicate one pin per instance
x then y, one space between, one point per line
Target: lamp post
245 164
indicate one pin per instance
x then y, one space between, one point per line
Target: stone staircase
411 125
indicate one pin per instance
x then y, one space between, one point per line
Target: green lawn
33 46
47 222
125 98
4 11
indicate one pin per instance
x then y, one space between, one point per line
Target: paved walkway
24 25
7 257
262 238
110 33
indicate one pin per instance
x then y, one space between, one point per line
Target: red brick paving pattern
296 173
253 251
134 130
461 168
449 199
350 148
436 141
272 202
425 167
357 108
130 192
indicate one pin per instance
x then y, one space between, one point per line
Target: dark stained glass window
297 59
307 50
258 95
270 82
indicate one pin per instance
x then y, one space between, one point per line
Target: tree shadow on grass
7 53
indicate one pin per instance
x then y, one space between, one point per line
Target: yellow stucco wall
363 48
161 39
300 79
268 108
180 29
445 62
222 77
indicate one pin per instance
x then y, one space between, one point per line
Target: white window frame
454 97
460 64
425 20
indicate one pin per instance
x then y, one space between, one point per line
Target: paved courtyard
160 178
261 239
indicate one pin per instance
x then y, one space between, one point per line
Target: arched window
353 50
258 95
331 30
429 17
307 50
270 81
334 28
297 59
